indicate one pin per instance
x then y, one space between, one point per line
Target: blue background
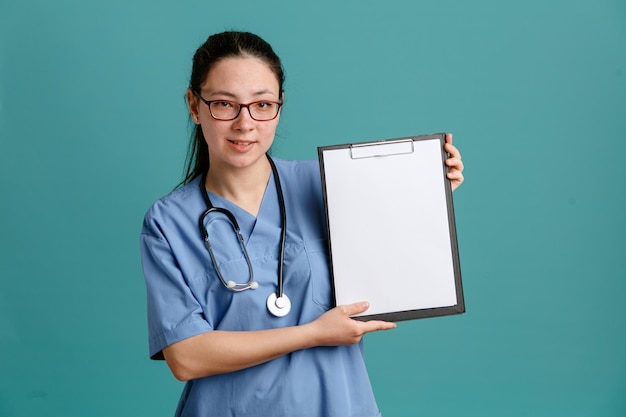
94 127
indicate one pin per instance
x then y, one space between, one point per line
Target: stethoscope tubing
238 287
234 286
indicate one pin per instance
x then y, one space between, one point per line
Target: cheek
210 131
270 129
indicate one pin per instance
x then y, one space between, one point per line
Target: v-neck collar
268 215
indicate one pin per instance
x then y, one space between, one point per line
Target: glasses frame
241 106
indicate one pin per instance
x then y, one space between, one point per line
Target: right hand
336 328
219 351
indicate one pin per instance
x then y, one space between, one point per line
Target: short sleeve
174 314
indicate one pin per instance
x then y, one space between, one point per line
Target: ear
192 103
282 100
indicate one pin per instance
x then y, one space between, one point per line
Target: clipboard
391 225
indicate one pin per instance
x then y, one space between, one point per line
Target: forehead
241 76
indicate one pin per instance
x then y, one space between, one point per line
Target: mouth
240 142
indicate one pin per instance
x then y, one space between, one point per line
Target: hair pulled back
219 46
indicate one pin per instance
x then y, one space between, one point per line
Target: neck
245 187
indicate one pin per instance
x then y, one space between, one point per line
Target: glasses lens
263 110
224 110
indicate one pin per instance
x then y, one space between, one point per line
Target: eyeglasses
262 110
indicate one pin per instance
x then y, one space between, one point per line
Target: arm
217 352
454 162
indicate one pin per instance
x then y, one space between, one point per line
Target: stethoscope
277 303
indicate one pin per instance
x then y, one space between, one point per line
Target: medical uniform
186 298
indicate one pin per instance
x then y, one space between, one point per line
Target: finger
456 166
455 176
449 138
452 150
455 163
455 172
355 308
456 179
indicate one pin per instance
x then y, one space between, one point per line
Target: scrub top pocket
317 252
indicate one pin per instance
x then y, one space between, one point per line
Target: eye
222 104
264 105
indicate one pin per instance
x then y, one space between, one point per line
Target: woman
241 352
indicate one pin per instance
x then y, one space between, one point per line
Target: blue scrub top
186 298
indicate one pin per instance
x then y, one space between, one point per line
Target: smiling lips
241 146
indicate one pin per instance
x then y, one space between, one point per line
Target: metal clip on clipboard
381 148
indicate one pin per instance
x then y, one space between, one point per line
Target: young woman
236 262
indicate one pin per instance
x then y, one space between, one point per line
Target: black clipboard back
392 230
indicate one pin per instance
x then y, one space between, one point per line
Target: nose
244 119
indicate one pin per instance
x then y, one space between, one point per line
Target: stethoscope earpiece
232 285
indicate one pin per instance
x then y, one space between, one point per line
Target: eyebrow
231 95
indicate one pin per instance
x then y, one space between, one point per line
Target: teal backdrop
94 128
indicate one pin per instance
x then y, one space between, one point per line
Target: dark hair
217 47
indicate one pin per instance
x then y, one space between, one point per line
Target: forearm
219 352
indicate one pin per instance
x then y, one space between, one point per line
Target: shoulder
298 172
302 190
181 205
293 164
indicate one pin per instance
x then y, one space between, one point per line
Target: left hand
455 175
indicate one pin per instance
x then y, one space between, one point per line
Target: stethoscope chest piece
278 306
